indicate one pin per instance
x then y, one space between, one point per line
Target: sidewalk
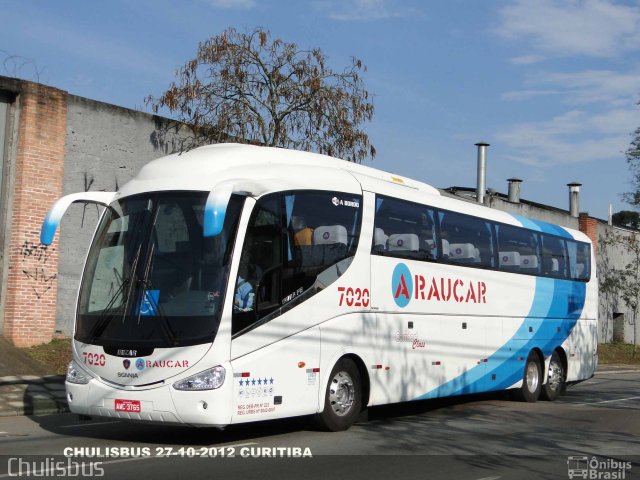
615 368
25 387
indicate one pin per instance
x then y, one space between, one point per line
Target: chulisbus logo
401 285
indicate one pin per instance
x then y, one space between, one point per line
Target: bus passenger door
298 252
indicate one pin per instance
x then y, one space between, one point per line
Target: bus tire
532 380
555 379
342 398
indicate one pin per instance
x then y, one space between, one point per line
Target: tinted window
322 230
466 239
296 244
152 278
579 260
518 249
404 229
554 256
410 230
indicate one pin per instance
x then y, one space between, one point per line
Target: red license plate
128 406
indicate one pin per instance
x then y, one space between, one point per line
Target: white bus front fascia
52 220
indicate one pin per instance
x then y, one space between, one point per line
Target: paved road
482 437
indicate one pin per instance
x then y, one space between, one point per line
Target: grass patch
54 356
619 353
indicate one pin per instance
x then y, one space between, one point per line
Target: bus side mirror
215 210
52 220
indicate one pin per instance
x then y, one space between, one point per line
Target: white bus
237 283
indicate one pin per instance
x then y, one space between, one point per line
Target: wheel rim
533 378
555 375
341 393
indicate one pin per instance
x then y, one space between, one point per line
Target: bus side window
579 260
554 259
470 239
323 230
404 229
518 249
296 244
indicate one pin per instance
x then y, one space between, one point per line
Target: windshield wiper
101 324
170 335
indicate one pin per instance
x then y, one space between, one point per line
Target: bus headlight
75 374
207 380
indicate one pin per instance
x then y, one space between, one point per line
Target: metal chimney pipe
514 189
574 198
481 187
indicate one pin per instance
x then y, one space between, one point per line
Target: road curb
617 368
32 395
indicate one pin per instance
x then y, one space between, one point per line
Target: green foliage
248 88
627 219
633 160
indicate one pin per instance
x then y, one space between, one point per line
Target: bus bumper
157 405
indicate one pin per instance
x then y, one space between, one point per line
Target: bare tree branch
246 87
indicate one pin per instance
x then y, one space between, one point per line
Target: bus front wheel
343 397
532 380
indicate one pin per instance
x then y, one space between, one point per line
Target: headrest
407 242
509 259
379 237
460 251
330 234
528 261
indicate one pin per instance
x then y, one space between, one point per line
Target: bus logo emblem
401 285
126 364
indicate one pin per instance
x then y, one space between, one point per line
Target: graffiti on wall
88 181
40 280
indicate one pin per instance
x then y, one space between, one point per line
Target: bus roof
205 167
268 169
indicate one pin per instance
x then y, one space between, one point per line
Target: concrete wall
105 147
558 217
612 326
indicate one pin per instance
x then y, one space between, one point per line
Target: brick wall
589 226
31 290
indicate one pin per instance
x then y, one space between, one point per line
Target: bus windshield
152 279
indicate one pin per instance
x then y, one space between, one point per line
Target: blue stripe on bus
540 226
557 305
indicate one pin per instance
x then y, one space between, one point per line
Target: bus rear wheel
532 380
343 397
555 379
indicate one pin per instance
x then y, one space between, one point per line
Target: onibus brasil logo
405 286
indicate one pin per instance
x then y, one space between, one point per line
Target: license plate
128 406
